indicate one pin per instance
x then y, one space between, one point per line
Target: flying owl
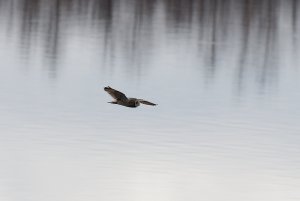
121 99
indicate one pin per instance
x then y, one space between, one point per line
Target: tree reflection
259 29
128 30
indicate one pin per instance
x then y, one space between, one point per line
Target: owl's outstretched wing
146 102
115 94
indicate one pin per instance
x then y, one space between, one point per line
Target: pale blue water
225 76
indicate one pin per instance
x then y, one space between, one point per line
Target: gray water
224 73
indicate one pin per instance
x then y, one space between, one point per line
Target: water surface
225 75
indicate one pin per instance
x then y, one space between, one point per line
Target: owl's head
137 103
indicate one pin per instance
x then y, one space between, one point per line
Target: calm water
225 75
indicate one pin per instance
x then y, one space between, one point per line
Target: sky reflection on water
225 75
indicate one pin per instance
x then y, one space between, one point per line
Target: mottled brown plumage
121 99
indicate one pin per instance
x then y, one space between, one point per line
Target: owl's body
130 102
121 99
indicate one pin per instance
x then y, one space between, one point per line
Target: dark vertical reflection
295 23
259 33
248 9
269 65
30 12
125 29
10 16
52 42
139 46
295 5
179 12
212 52
101 19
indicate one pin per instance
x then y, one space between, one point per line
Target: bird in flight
121 99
